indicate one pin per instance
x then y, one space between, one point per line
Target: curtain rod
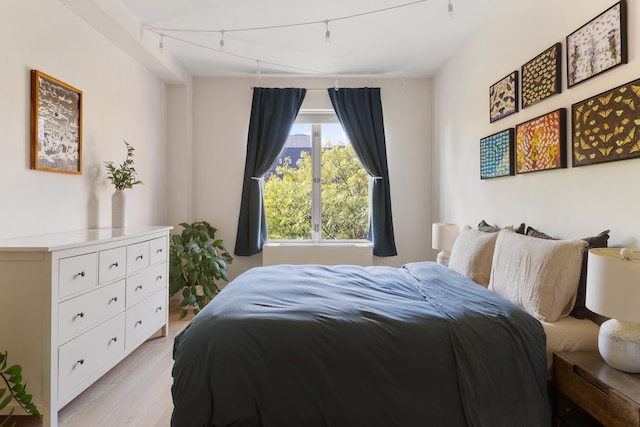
307 88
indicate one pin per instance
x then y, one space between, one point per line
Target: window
317 189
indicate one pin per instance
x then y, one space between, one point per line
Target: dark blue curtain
360 113
273 112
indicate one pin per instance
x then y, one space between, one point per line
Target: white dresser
73 305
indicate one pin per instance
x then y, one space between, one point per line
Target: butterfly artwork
597 46
503 97
606 127
540 143
496 155
541 77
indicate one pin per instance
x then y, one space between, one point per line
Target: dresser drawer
82 357
157 250
81 313
77 273
137 257
112 264
605 404
145 317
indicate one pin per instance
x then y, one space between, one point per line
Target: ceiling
369 38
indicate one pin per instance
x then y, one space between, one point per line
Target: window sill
292 243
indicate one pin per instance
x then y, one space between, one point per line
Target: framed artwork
503 97
606 127
541 76
597 46
541 143
496 155
56 125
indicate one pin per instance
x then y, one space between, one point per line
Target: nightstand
610 396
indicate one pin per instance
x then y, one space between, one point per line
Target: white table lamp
442 237
613 290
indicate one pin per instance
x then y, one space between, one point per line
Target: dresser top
69 239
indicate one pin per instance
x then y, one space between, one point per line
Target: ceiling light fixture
450 10
259 70
161 45
162 32
327 34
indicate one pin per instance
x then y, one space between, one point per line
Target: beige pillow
539 275
472 253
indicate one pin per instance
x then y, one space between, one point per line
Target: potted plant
196 260
122 177
12 379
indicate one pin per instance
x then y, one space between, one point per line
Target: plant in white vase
122 177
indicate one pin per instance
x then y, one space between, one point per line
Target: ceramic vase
119 209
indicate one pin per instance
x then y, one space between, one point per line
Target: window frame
316 118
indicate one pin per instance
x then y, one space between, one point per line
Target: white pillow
539 275
472 253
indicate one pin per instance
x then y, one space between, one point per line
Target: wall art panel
606 127
541 143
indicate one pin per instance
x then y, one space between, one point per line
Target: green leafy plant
123 176
196 260
12 378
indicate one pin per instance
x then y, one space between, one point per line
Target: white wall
121 100
221 109
567 203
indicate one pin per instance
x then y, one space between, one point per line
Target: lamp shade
613 283
443 235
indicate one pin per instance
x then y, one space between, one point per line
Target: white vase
119 209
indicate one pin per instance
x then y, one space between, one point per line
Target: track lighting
327 34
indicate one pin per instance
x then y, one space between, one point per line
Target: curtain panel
273 112
360 113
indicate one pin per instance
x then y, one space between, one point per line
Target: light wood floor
137 392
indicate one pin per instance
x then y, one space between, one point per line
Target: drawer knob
114 339
158 278
159 251
81 274
139 322
139 257
138 287
114 299
80 362
115 264
158 309
81 314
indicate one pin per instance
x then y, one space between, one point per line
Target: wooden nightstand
610 396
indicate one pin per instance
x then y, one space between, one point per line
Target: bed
382 346
359 346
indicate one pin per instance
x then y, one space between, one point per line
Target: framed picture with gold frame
606 127
56 125
541 76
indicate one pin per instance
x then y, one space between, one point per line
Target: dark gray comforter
350 346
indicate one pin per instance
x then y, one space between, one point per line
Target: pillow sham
539 275
472 253
488 228
601 240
